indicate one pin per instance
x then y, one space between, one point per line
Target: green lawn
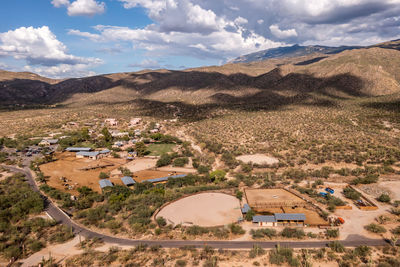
159 149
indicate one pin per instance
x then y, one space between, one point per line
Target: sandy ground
258 159
206 209
138 164
386 187
69 166
177 169
356 219
265 196
4 175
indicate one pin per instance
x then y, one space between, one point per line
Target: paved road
61 217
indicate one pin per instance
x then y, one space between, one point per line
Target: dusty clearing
257 197
259 159
206 209
392 188
69 167
141 176
138 164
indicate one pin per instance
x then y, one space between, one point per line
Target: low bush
374 228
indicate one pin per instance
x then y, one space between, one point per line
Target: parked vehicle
323 194
329 190
340 219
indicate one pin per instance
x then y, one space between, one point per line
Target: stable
90 155
105 183
78 149
165 179
296 219
128 181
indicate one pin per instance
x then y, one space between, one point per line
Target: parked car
329 190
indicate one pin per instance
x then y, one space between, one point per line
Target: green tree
107 135
384 198
103 175
164 160
217 175
141 149
239 194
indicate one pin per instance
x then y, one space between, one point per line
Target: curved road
63 218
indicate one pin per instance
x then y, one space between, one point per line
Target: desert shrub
164 160
350 193
260 233
217 175
384 198
180 263
368 179
374 228
293 233
161 222
336 246
249 215
236 229
197 230
332 233
62 234
103 175
362 251
180 162
279 256
256 251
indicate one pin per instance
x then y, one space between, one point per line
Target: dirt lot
69 166
206 209
270 196
141 176
139 164
259 159
312 217
385 187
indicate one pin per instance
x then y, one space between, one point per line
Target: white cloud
62 71
282 34
86 8
81 7
92 36
241 21
146 64
40 47
60 3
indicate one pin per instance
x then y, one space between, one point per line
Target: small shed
128 181
105 183
246 208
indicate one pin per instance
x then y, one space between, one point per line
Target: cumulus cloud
282 34
146 64
81 7
39 46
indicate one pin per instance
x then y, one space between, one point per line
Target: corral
270 201
68 172
205 209
262 199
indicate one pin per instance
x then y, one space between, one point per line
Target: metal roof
290 216
163 179
105 151
77 149
104 183
87 154
263 218
246 208
127 180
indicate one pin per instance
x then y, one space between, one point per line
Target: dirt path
182 135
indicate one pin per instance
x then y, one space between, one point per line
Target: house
105 183
280 219
246 208
48 142
119 134
128 181
85 154
118 144
154 131
111 122
78 149
264 220
134 122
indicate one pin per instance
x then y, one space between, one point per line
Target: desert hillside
358 72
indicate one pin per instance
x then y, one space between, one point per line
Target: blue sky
73 38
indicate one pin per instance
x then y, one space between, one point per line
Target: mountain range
290 75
